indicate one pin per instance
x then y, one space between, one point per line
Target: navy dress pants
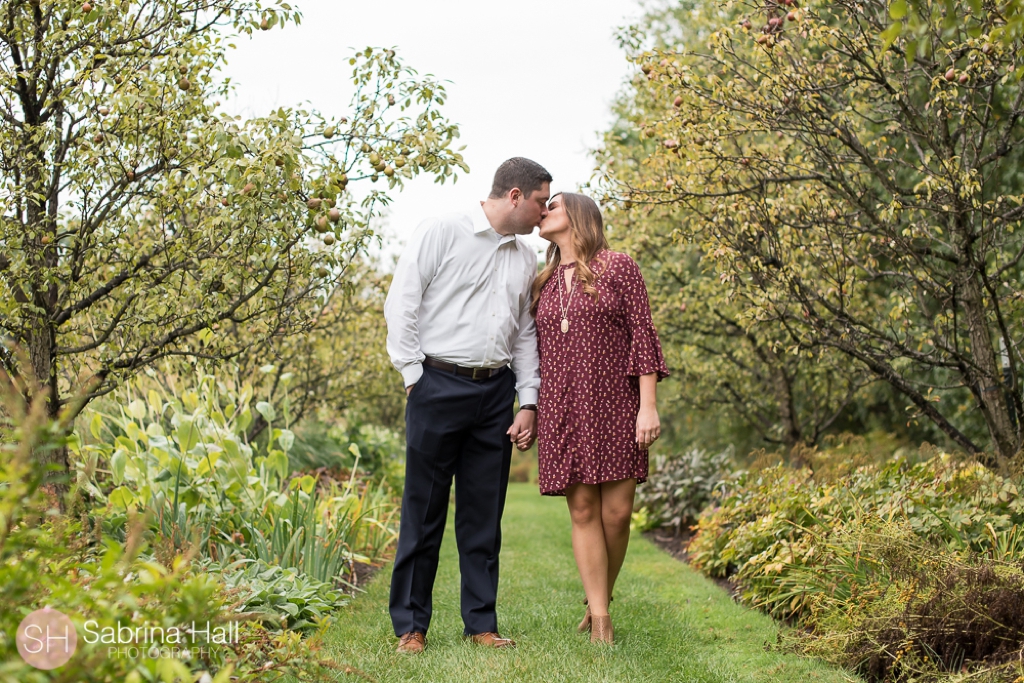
455 427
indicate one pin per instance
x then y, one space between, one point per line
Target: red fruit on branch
951 74
964 78
677 102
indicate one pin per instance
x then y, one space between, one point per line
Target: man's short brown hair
519 172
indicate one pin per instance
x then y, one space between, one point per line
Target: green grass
671 624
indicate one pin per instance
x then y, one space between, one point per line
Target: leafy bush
377 451
70 564
188 462
191 449
282 594
901 571
679 487
317 538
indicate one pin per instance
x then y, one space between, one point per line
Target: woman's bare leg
588 544
616 513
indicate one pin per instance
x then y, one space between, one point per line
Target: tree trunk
41 337
791 434
986 378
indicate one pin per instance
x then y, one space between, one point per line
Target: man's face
529 210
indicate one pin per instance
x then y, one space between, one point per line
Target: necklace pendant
565 325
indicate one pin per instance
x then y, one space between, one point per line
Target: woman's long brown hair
586 230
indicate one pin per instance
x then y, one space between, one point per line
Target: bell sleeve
645 354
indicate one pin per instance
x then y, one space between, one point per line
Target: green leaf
266 410
898 9
244 419
277 462
890 35
96 426
305 482
156 406
136 409
186 435
285 439
121 498
117 464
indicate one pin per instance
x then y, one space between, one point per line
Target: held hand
523 430
648 427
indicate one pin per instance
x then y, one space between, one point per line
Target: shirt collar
482 225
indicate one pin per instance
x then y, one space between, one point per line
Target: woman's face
556 223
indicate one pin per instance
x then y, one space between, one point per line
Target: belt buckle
482 371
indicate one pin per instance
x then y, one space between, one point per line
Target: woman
600 362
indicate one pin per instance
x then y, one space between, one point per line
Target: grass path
671 624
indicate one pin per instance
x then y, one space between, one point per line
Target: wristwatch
529 406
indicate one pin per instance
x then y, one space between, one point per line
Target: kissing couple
471 324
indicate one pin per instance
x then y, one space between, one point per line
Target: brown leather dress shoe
411 643
492 640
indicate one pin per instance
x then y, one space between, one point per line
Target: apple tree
139 222
726 372
857 190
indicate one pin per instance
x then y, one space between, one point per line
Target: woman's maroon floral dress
589 376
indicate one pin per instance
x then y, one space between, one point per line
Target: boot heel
601 630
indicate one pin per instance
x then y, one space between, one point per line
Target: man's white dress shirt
461 294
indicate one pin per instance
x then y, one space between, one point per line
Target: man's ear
515 195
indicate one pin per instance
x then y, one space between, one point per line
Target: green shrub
69 564
680 487
377 451
283 595
903 571
188 462
191 449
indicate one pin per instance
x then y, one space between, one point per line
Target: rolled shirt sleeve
413 273
525 355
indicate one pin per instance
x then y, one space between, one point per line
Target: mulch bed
675 545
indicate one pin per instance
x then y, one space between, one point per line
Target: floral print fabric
590 387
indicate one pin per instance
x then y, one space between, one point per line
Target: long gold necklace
564 306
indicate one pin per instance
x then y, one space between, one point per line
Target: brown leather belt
472 373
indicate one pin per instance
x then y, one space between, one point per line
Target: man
458 314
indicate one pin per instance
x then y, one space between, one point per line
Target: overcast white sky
531 78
